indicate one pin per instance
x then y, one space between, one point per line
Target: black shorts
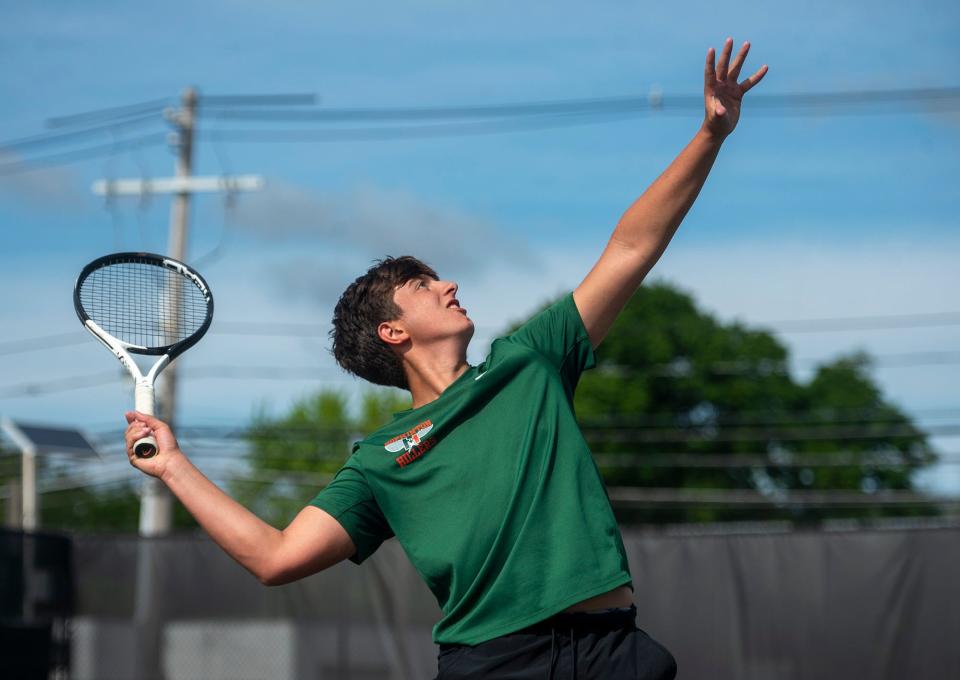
582 645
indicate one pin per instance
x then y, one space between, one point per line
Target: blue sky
803 217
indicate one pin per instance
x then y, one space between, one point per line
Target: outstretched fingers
754 79
709 69
724 59
738 60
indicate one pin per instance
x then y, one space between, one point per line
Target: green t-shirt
491 489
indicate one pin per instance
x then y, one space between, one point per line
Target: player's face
431 310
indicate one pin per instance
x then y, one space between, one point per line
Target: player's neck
430 374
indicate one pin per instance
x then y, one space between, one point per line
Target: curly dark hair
364 305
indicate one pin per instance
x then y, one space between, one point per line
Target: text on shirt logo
412 442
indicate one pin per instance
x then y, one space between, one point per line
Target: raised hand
722 93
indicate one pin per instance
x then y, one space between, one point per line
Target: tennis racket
141 303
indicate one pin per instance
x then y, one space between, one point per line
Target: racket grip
143 401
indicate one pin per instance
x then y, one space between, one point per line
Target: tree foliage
292 457
672 381
75 507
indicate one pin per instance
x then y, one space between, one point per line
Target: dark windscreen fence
729 603
851 604
36 605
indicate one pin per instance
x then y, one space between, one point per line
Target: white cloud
372 220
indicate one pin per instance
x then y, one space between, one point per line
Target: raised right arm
313 540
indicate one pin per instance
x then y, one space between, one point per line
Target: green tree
90 509
294 456
9 475
74 506
674 387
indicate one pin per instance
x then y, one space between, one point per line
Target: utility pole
156 505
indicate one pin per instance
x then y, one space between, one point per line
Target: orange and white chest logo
414 443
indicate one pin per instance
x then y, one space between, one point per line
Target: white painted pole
156 505
28 477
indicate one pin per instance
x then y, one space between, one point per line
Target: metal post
28 477
156 505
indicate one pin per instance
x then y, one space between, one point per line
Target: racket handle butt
145 448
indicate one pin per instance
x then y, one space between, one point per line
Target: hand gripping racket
140 303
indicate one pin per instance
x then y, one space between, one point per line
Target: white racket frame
143 393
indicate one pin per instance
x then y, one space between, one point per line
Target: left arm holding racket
313 541
140 303
646 228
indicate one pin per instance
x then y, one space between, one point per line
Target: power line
497 118
50 138
706 461
109 113
228 100
267 328
766 367
283 373
126 475
742 498
514 117
763 417
291 330
41 342
117 117
308 330
71 484
65 158
876 322
387 133
755 434
788 102
37 388
860 323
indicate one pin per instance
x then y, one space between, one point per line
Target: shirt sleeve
349 499
558 334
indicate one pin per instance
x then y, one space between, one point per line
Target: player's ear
392 333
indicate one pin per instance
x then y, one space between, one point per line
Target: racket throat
161 364
143 392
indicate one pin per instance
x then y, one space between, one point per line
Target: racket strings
143 303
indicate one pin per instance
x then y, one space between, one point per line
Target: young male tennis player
486 481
